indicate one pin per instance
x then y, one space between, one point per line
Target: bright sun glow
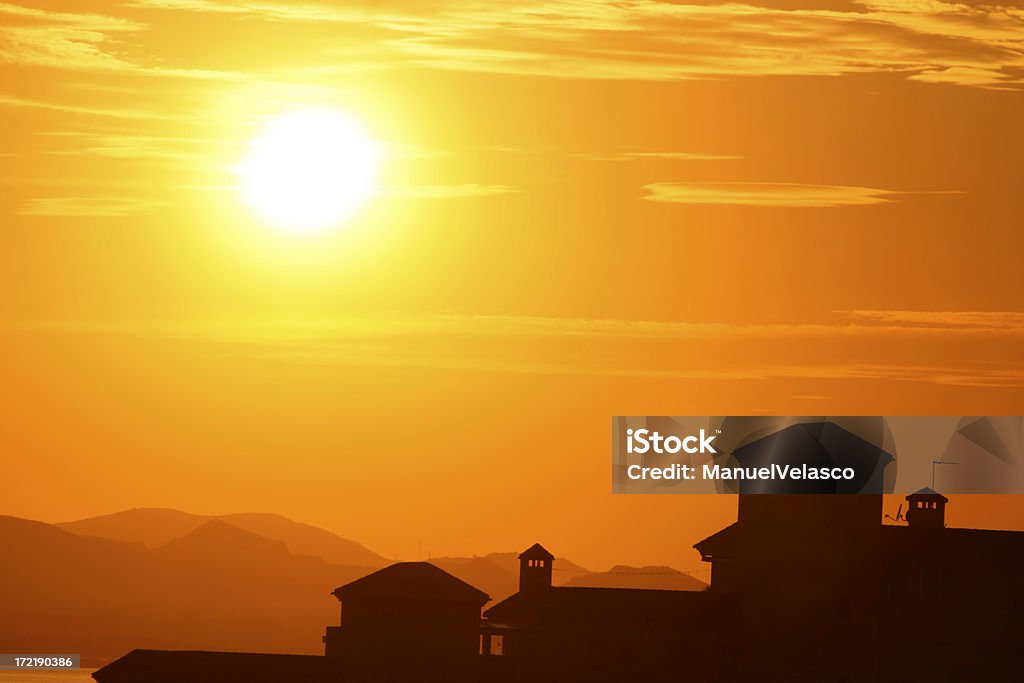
309 170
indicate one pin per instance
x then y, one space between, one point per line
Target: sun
309 170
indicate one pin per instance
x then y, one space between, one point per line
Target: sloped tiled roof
536 552
604 608
721 544
927 492
412 580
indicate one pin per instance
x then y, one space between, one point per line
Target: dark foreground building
560 633
176 666
804 588
409 619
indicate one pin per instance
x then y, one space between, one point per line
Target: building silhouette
808 587
869 601
408 619
579 633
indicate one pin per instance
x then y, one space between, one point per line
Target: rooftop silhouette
804 588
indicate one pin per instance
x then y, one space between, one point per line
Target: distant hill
154 527
621 576
217 587
166 579
481 573
497 574
218 541
563 569
305 539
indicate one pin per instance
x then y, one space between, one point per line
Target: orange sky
586 209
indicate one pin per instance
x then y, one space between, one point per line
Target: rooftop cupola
535 569
926 509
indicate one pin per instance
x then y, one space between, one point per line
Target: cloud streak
89 207
300 12
102 112
79 41
650 40
664 156
128 146
464 190
984 321
931 41
788 195
32 37
890 345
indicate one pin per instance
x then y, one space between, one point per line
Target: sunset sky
582 209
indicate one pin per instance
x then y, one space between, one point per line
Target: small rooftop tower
535 569
926 509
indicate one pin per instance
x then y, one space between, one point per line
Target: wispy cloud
667 156
80 41
452 191
103 112
89 206
651 40
883 323
129 146
771 194
890 345
928 40
37 37
274 11
973 321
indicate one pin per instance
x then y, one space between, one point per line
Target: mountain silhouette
490 574
40 559
481 573
216 587
563 569
218 541
622 576
148 526
306 539
213 586
154 527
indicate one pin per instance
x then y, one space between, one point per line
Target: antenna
940 462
